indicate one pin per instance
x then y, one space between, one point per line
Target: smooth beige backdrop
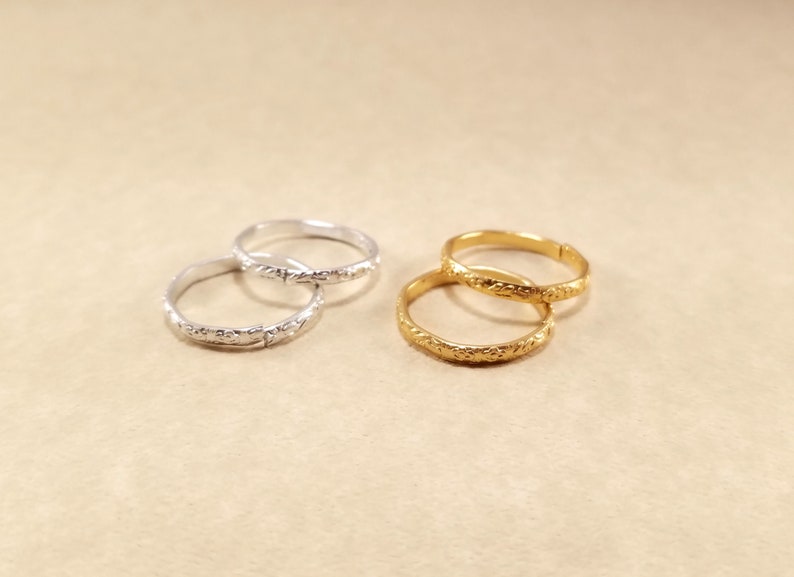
654 436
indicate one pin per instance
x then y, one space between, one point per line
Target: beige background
652 437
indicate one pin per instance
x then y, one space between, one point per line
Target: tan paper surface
654 436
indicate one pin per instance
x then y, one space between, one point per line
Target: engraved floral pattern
244 337
506 290
472 354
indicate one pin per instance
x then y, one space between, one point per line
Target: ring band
307 228
239 336
464 353
517 291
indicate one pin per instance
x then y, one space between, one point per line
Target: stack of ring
498 283
269 266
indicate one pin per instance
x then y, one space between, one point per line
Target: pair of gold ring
498 283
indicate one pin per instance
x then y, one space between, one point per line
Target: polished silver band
306 228
239 336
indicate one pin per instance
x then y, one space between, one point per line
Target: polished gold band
463 353
518 291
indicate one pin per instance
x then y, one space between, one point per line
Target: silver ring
236 336
307 228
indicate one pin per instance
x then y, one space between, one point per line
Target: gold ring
463 353
517 291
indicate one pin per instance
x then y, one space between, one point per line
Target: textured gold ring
464 353
517 291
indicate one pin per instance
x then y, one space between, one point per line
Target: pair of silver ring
270 266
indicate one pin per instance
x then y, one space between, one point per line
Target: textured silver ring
306 228
237 336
